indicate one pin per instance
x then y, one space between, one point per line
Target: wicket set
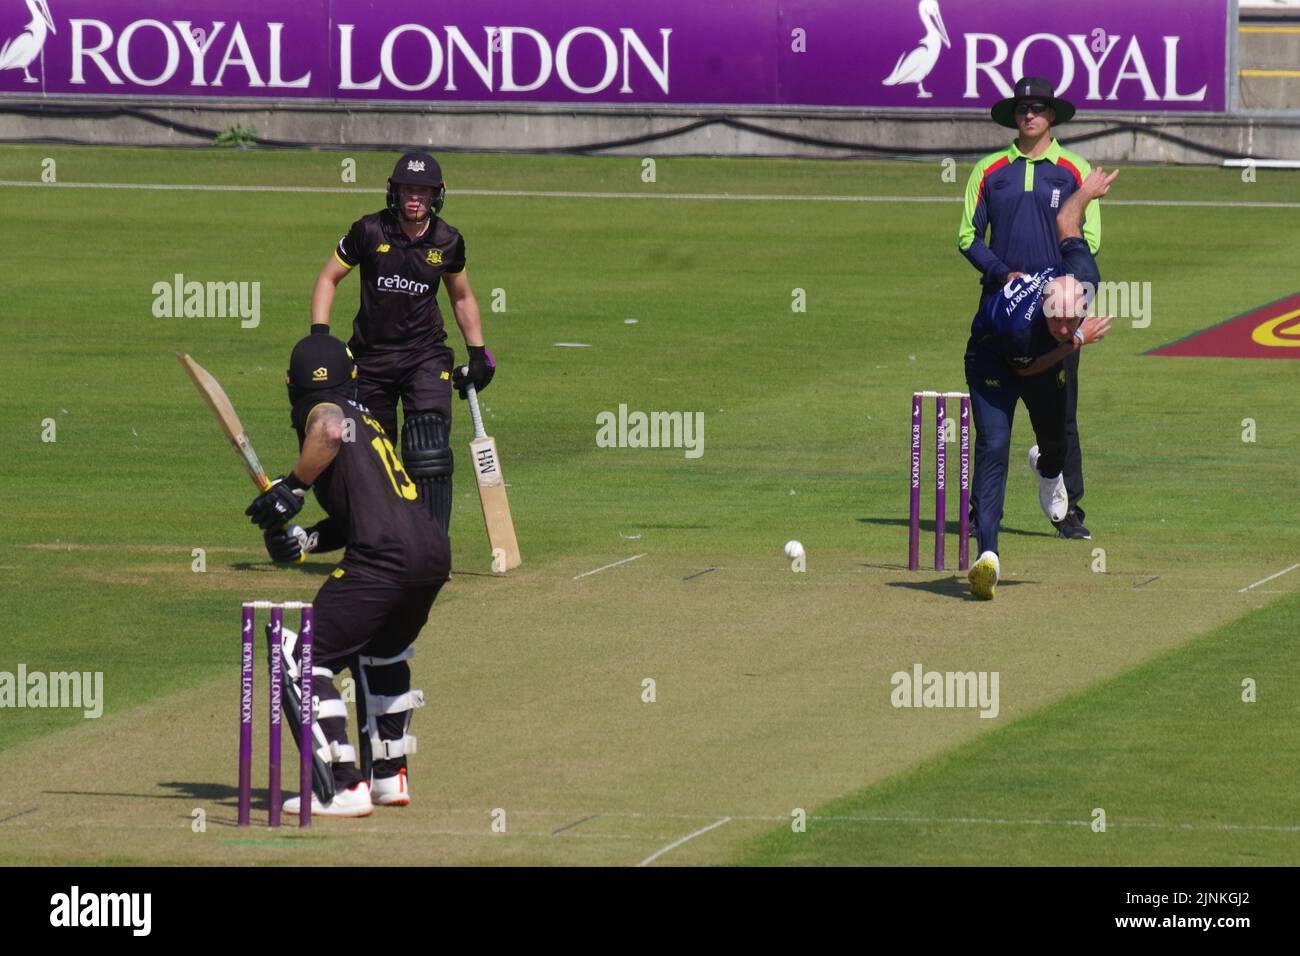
275 654
940 481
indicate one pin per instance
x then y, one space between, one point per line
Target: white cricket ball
793 549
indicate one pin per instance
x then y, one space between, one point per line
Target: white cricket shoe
391 791
1053 499
352 802
1052 496
983 576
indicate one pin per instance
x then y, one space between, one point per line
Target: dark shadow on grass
184 791
218 793
315 569
953 587
927 527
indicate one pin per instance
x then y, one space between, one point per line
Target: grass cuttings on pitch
1185 770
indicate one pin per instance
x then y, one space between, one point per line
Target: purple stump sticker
246 718
273 767
940 481
963 525
305 746
914 518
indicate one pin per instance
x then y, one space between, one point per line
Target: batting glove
275 507
478 372
289 545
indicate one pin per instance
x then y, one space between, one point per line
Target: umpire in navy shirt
399 340
1008 229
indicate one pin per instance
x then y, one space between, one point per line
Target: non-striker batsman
403 253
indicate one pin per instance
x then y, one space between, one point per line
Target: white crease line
404 830
608 566
979 821
676 843
195 187
1250 587
574 194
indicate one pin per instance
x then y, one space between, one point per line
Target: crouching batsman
373 604
1018 340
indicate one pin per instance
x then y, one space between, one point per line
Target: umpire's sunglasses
1037 106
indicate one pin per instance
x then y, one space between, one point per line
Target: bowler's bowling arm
1069 221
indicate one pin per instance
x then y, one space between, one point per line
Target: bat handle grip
471 395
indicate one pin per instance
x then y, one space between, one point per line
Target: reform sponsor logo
401 284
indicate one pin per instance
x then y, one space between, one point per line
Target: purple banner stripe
1157 55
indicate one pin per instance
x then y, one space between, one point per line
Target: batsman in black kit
398 336
374 603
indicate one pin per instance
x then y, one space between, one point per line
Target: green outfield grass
773 687
1183 767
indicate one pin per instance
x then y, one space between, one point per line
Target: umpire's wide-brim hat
1031 88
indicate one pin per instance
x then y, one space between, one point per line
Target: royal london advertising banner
1148 56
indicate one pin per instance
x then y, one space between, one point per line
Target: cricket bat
492 492
224 412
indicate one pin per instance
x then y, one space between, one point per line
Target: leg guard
427 457
389 700
333 759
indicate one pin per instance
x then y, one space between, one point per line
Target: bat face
224 413
496 508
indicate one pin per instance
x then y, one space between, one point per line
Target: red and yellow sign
1271 331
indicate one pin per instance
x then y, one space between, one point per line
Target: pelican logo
320 375
434 258
18 52
384 247
415 165
915 65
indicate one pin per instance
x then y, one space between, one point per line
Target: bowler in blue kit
1019 339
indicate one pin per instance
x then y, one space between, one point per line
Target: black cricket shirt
390 533
399 282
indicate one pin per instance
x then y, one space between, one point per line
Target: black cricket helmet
416 169
321 369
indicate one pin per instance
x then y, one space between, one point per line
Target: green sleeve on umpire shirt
966 231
